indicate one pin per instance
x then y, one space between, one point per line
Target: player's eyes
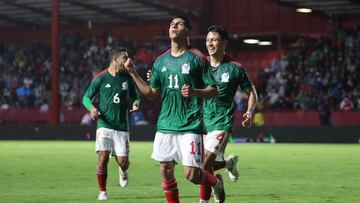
212 40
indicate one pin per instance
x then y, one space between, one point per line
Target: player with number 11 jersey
179 113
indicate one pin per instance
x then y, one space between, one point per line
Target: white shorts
216 141
185 148
117 142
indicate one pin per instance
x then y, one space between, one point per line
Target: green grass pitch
64 171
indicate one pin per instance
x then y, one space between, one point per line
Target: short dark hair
224 35
114 52
187 22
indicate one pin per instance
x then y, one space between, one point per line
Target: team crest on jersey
125 85
185 69
225 77
163 69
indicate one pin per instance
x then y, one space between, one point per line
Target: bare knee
209 159
103 158
167 170
123 162
124 165
192 174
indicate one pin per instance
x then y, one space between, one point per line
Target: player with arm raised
117 94
181 76
218 111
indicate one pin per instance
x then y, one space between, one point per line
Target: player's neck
215 60
112 71
178 48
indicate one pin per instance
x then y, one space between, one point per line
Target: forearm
206 92
87 103
143 87
253 99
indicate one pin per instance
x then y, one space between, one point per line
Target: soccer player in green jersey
181 75
218 111
117 94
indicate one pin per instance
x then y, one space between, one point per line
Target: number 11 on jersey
198 148
176 80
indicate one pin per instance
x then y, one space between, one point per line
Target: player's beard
120 69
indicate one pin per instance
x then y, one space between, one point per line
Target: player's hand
247 119
135 107
187 91
148 75
94 113
129 66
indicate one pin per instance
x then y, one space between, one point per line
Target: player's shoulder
100 75
233 63
161 59
199 54
163 55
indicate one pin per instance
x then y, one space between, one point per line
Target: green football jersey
179 114
218 110
116 96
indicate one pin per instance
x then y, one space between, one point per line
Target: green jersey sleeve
244 79
90 93
207 77
155 78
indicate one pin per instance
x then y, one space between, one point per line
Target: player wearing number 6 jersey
117 94
181 76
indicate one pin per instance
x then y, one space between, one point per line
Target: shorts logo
107 85
185 69
225 77
125 85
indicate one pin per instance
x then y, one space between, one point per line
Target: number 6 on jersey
116 98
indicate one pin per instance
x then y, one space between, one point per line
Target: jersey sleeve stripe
199 54
232 60
99 74
237 64
168 51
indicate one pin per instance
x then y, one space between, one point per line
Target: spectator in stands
333 65
325 111
240 100
346 104
138 118
4 104
259 121
296 79
24 94
86 119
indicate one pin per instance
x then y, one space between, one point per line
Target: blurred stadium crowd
302 78
305 77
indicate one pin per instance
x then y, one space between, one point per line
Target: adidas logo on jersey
107 85
163 69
